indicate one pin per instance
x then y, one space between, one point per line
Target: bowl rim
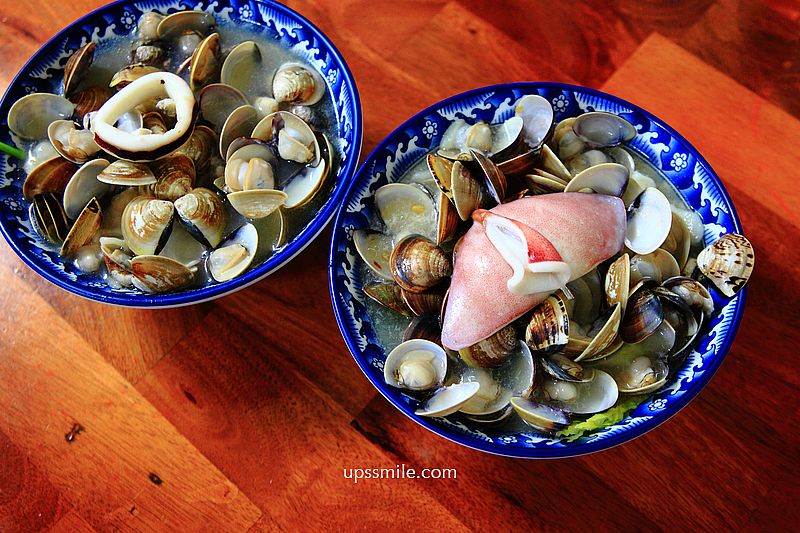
271 264
571 449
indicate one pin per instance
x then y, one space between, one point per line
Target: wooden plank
72 522
278 436
72 412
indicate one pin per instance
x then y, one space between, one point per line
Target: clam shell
127 174
388 295
418 264
447 220
76 145
203 215
649 221
565 369
175 177
644 314
241 64
427 302
423 327
200 147
88 100
415 365
48 217
492 351
606 335
605 178
31 115
51 175
157 274
205 62
495 179
83 186
218 101
467 193
303 186
297 84
548 329
131 73
539 416
257 203
84 228
448 400
618 282
537 115
442 171
239 123
599 129
146 224
406 209
235 255
181 22
78 66
375 249
728 263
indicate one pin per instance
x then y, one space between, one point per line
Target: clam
618 282
539 416
148 54
692 292
148 26
637 183
584 308
205 63
114 250
649 221
127 75
565 369
585 398
417 264
635 371
88 100
492 351
239 123
620 155
541 180
427 302
406 209
521 163
467 193
76 145
297 84
296 140
728 263
248 174
587 159
548 329
460 137
83 230
415 365
537 116
550 162
48 217
566 143
138 147
156 274
506 138
303 186
78 66
175 177
257 203
658 265
39 153
83 186
217 102
131 121
203 215
678 241
146 224
388 295
154 122
424 327
603 334
498 385
127 174
644 313
441 169
200 147
31 115
180 22
241 64
495 179
266 105
605 178
448 400
112 214
447 220
375 249
235 255
51 175
599 129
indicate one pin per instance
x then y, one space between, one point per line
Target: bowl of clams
163 153
538 270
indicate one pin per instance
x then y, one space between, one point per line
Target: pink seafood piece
585 229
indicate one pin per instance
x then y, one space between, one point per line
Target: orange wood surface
241 414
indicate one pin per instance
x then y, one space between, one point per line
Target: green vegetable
12 151
601 420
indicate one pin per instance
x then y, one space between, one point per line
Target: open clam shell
441 169
618 282
415 365
389 295
73 144
48 217
467 193
181 22
605 178
304 185
239 123
649 221
498 385
495 179
548 329
241 65
375 250
565 369
31 115
217 102
83 230
586 398
405 210
257 203
83 186
492 351
203 214
537 116
448 400
51 175
126 174
539 416
78 66
205 63
157 274
235 255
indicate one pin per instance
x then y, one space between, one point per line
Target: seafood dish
539 273
178 157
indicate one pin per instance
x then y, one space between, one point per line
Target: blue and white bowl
44 72
656 142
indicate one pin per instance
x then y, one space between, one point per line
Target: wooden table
243 413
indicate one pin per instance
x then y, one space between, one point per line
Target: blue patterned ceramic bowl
656 142
44 71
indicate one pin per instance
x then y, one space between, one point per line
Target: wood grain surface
242 414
